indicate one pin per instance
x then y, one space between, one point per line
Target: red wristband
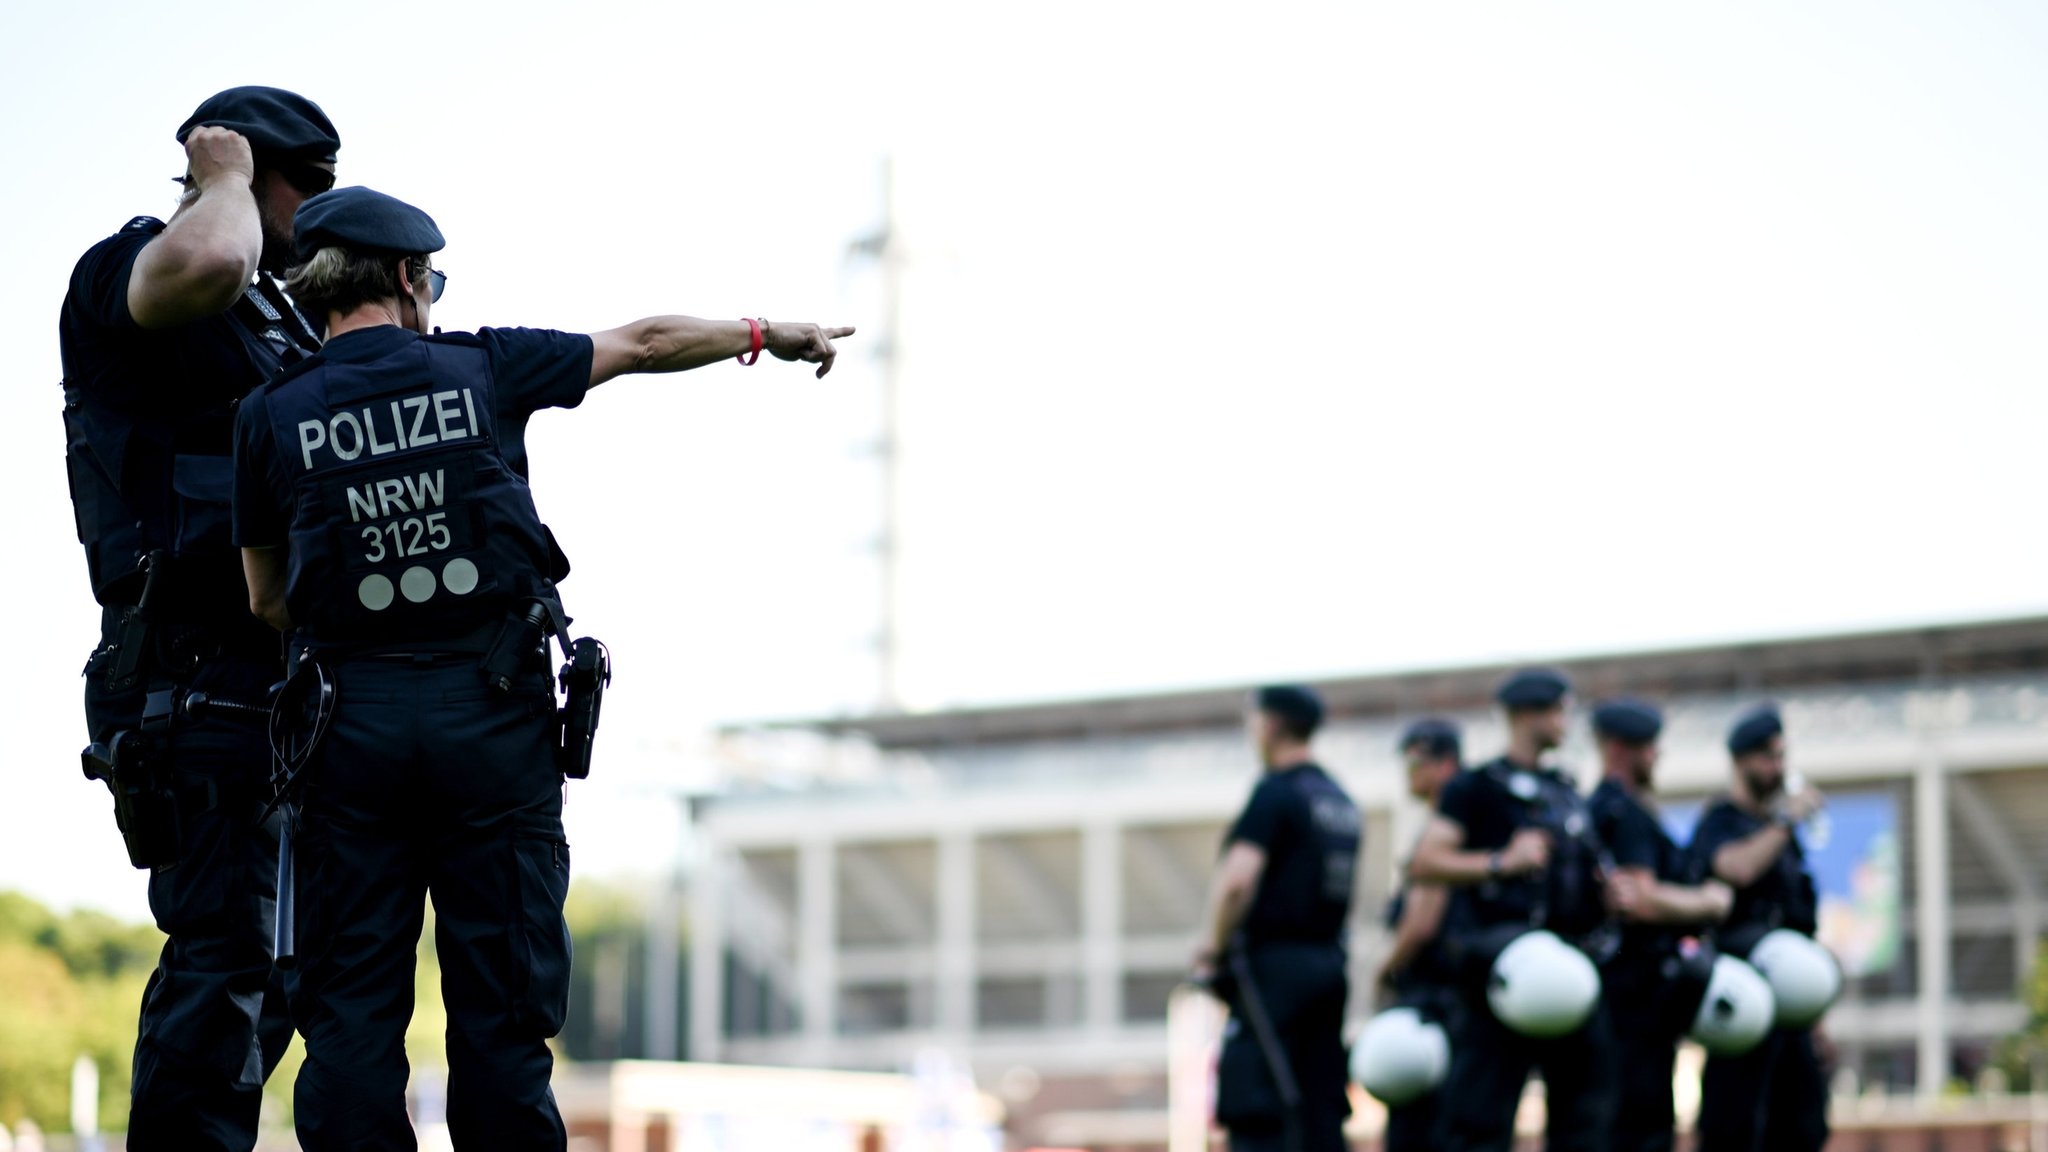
753 338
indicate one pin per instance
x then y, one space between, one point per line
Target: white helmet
1804 977
1737 1010
1400 1056
1542 987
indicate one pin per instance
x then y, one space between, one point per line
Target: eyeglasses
309 179
437 282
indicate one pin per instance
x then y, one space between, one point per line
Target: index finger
838 333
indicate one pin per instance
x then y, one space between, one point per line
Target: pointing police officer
1648 888
1512 841
1775 1095
165 326
383 511
1414 969
1272 941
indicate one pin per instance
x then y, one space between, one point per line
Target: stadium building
1020 886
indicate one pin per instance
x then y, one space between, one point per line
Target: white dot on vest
459 576
375 592
417 584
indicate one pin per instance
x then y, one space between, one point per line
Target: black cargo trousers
430 782
213 1023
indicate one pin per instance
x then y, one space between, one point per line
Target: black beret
1753 732
1628 720
277 123
1299 706
1439 738
1533 688
363 219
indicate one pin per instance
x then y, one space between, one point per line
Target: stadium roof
1753 666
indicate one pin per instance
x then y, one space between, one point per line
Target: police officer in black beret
1775 1095
1650 887
164 328
384 517
1512 840
1415 971
1272 942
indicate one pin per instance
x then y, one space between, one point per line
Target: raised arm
680 343
207 255
1743 862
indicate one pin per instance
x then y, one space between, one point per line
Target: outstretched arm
207 255
680 343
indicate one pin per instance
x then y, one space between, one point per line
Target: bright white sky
1241 341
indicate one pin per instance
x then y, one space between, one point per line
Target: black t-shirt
1783 897
531 369
1634 838
1494 800
1311 832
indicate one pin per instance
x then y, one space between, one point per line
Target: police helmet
1736 1011
1542 987
1400 1057
1803 975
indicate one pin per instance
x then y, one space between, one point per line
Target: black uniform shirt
1310 831
1481 801
1489 815
531 369
1634 838
162 371
1782 897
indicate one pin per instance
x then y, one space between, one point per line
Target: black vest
408 524
1566 896
155 473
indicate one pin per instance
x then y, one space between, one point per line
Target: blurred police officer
383 510
1273 940
1415 971
166 326
1648 888
1775 1095
1512 841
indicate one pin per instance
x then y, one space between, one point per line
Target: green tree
74 984
2020 1053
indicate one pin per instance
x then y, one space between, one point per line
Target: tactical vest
407 522
155 473
1566 896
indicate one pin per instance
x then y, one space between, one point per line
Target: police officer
1415 971
1648 888
384 515
1272 941
165 326
1775 1095
1512 841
